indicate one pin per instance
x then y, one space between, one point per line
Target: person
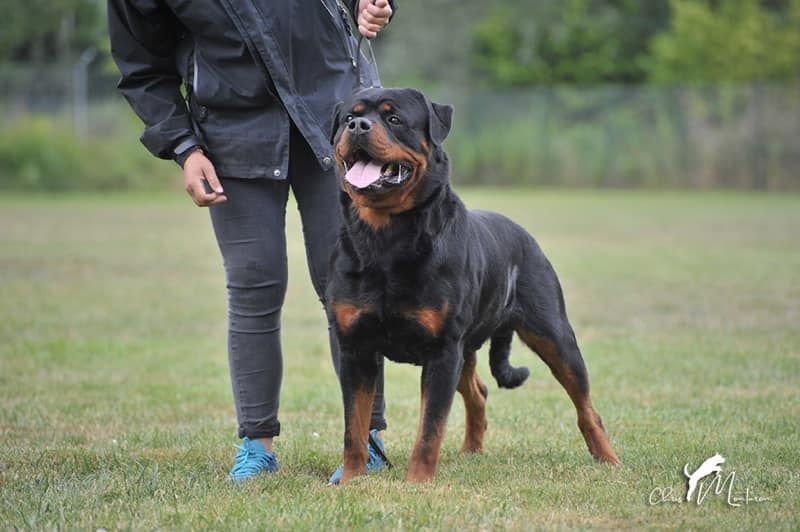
240 95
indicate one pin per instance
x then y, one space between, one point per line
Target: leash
350 23
358 57
380 452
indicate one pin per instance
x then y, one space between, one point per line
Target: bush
42 153
632 136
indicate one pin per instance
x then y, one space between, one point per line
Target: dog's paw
512 377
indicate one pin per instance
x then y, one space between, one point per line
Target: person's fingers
198 193
378 12
366 18
211 176
369 27
201 181
373 17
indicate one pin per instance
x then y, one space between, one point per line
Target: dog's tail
506 375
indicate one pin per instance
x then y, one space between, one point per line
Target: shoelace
249 462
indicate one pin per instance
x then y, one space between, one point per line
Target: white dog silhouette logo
711 465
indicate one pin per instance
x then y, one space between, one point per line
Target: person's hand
373 16
196 169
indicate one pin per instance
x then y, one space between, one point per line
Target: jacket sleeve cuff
185 148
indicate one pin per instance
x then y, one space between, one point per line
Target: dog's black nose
359 125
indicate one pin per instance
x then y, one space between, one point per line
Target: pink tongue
363 174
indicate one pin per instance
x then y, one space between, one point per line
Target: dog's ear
440 118
335 117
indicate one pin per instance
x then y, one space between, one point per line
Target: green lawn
116 412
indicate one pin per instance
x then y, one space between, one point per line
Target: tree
727 40
43 30
571 41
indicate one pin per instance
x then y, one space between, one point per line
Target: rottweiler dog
418 278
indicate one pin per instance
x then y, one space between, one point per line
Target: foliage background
664 93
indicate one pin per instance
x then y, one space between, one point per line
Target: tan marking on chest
376 219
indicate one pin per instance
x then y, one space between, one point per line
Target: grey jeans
250 231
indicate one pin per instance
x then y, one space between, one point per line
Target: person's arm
144 35
372 15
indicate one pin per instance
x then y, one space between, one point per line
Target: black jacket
247 67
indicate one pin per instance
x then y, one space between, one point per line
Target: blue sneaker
252 460
377 461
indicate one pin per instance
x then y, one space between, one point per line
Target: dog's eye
394 119
348 118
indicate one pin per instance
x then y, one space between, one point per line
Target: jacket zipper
195 70
348 31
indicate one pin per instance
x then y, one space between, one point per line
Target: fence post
80 92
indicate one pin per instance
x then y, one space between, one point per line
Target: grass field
116 412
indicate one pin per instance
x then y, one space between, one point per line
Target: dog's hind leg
506 375
474 393
566 363
541 322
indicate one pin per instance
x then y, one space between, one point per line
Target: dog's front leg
439 379
357 378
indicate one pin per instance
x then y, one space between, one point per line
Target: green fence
723 136
740 136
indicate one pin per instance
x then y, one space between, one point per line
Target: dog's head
388 148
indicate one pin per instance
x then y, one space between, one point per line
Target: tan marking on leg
346 314
431 319
425 456
471 389
589 422
422 465
356 454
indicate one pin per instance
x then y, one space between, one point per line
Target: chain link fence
738 136
720 136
